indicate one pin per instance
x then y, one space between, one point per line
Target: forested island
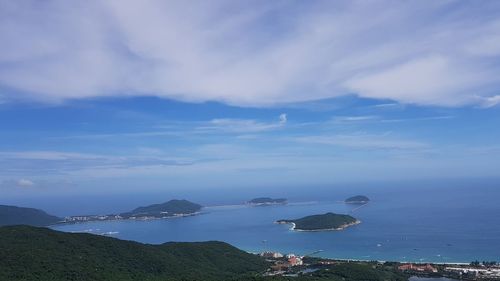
358 199
12 215
167 209
265 201
324 222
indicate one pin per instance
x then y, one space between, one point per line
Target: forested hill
171 207
31 253
12 215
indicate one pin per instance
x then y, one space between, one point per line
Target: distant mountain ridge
13 215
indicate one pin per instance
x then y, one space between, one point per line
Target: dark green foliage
30 253
12 215
358 199
172 207
358 272
319 222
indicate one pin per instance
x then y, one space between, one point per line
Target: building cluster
418 268
271 255
282 263
92 218
474 273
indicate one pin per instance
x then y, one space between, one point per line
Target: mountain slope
12 215
30 253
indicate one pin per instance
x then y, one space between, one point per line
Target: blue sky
128 96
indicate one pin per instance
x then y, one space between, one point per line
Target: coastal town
292 265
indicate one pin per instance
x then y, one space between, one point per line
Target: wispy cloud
25 183
359 118
228 51
363 141
55 162
380 119
242 125
490 101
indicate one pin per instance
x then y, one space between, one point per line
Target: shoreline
382 261
128 219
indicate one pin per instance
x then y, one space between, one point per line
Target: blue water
427 224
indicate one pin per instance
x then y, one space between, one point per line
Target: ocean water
423 224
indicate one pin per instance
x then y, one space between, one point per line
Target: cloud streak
58 163
266 53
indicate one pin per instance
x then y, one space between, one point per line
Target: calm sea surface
449 224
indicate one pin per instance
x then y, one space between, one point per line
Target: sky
139 96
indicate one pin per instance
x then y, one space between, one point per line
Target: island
324 222
267 201
170 209
358 199
13 215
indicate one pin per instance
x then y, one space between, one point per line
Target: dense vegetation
12 215
30 253
358 199
267 200
171 207
356 272
321 222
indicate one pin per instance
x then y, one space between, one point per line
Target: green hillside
30 253
12 215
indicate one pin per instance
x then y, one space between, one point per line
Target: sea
441 222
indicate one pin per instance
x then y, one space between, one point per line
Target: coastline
128 219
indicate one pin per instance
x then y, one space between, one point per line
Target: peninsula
324 222
266 201
172 208
358 199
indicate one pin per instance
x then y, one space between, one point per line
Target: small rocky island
267 201
324 222
358 199
172 208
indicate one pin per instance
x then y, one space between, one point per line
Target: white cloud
363 141
491 101
283 118
61 163
437 53
25 183
229 125
349 119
